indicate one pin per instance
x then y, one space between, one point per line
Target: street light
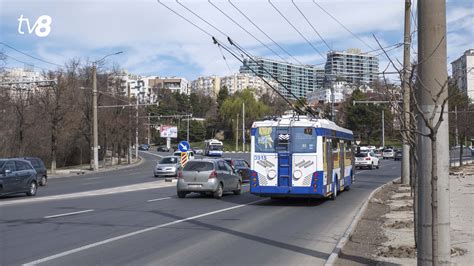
95 131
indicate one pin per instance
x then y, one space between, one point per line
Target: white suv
367 159
388 154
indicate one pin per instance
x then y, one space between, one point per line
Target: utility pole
136 127
95 131
433 224
187 129
149 131
243 127
383 128
129 159
237 133
456 132
405 176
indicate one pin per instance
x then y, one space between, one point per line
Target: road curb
108 169
347 234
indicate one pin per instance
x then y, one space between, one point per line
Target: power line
342 25
34 57
205 21
249 33
310 24
26 63
296 29
264 33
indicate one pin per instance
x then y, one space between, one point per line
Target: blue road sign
184 146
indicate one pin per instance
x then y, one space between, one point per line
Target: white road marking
67 214
152 200
90 183
113 239
95 177
92 193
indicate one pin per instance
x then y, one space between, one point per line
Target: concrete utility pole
136 127
129 159
434 245
237 133
405 176
95 131
456 132
243 127
383 128
149 131
187 129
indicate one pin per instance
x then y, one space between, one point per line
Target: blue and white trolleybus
299 156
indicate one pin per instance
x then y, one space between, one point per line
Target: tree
222 96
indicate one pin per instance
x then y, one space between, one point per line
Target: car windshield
362 154
388 150
2 163
198 166
169 160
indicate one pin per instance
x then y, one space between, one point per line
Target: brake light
367 158
180 174
213 174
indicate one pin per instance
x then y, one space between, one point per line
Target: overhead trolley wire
311 25
296 29
248 32
342 25
34 57
264 33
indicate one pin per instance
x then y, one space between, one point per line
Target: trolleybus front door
284 157
329 161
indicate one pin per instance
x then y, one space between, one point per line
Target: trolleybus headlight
272 174
297 174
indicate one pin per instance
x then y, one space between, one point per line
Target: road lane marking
93 193
113 239
152 200
90 183
67 214
96 177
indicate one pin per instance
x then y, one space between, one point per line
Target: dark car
144 147
41 171
241 166
398 156
17 176
162 148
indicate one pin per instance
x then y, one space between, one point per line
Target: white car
190 155
367 159
388 154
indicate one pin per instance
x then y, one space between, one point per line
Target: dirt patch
400 225
364 242
403 208
398 252
457 252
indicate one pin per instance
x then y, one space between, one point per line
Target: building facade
299 79
342 90
352 66
174 84
239 82
463 73
208 85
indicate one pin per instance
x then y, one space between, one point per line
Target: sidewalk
385 234
84 169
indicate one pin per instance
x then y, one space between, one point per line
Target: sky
155 41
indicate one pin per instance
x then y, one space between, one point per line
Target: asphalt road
153 226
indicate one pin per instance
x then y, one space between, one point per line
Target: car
208 176
378 153
198 151
388 153
398 155
162 148
190 154
241 166
144 147
41 171
17 176
367 159
167 166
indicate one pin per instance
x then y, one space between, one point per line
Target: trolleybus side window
265 139
303 140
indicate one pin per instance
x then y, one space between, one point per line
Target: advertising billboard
168 131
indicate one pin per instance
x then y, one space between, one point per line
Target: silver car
167 166
208 177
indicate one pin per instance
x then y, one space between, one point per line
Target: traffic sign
184 158
184 146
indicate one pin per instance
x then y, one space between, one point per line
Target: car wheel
219 191
181 194
238 191
43 181
371 166
378 164
32 190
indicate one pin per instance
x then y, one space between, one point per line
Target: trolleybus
299 156
213 147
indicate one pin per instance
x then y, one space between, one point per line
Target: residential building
176 84
342 90
299 79
352 66
463 73
19 78
208 85
238 82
